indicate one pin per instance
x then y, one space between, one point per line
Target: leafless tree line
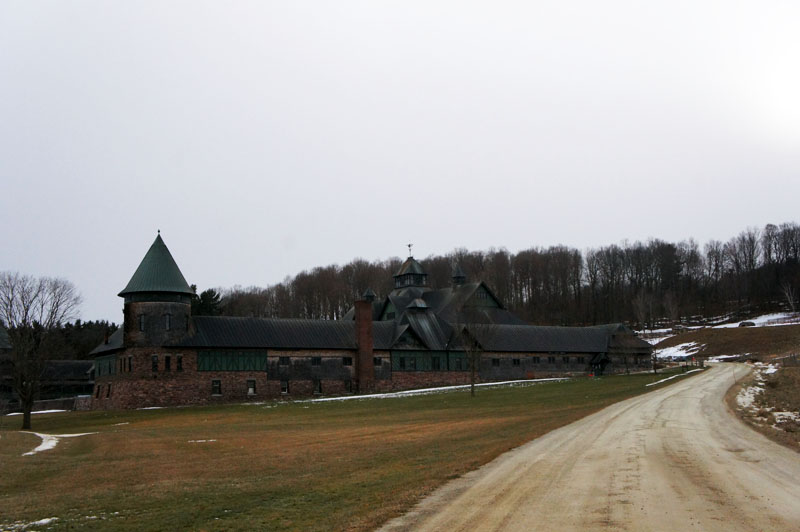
31 308
640 282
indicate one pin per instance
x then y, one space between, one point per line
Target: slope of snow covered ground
678 352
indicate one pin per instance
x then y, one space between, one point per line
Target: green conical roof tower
157 272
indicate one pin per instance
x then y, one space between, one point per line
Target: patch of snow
123 423
428 391
770 370
766 320
723 358
781 417
200 441
672 377
657 339
49 441
37 412
747 396
679 351
21 525
151 408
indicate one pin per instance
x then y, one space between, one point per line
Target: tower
158 300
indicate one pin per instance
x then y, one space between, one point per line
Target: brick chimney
365 370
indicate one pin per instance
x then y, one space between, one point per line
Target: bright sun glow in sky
265 138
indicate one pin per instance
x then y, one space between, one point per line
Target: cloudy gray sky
264 138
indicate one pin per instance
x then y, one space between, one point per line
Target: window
186 324
581 360
317 386
168 321
251 387
155 362
412 363
495 362
458 364
347 361
141 322
551 360
108 391
536 360
435 364
179 363
97 392
284 387
283 361
565 360
348 386
515 361
402 362
316 361
130 363
216 387
376 361
167 363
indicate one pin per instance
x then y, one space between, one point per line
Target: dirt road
671 460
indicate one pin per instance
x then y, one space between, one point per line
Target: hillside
762 342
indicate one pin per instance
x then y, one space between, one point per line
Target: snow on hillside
767 320
679 351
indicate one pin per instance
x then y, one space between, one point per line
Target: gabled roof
231 332
67 370
114 343
432 331
157 272
536 339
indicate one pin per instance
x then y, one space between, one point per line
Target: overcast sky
265 138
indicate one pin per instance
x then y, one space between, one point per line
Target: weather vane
409 249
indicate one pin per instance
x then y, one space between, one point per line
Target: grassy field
761 342
347 465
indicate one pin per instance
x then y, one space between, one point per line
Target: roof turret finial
409 249
159 231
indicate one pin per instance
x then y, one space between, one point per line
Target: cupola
410 274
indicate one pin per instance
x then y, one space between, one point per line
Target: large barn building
414 337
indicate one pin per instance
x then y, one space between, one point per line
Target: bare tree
31 307
789 293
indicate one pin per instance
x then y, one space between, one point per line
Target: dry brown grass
760 342
321 466
781 394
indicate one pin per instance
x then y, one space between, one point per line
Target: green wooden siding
106 365
429 360
232 361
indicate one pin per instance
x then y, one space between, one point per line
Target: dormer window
168 321
141 322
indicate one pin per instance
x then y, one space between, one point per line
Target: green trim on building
411 360
231 361
106 365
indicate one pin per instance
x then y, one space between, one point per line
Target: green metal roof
410 266
157 273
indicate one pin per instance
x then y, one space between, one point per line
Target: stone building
414 337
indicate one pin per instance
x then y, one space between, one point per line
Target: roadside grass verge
347 465
780 394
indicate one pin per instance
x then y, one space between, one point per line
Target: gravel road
672 460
